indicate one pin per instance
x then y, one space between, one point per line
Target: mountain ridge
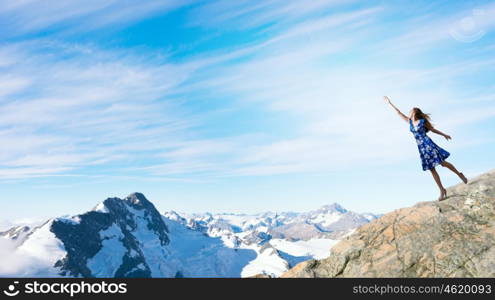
129 237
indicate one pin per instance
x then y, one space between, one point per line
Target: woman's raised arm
403 116
434 130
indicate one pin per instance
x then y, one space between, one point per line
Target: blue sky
241 106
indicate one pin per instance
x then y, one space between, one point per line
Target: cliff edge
451 238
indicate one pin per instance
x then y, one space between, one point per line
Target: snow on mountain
371 216
195 254
130 238
122 238
111 254
328 221
313 248
43 243
267 262
16 234
280 240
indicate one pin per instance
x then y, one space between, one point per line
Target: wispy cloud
30 16
84 109
245 14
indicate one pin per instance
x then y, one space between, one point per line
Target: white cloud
84 109
244 14
15 263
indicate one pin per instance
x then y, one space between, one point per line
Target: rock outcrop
451 238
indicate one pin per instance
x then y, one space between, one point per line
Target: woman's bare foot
463 178
443 195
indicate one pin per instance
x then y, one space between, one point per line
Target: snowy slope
314 248
280 240
119 238
33 253
17 234
194 254
267 262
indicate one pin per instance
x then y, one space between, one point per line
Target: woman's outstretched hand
447 137
403 116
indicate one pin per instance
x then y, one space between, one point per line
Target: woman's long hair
419 114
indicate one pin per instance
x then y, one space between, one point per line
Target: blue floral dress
431 154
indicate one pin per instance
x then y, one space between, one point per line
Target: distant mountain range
130 238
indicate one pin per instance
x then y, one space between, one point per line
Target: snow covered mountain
280 240
130 238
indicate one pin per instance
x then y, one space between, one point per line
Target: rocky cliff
451 238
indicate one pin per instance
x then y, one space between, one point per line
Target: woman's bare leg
443 192
451 167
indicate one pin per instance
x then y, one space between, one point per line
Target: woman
431 154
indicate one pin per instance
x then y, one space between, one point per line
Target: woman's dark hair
419 114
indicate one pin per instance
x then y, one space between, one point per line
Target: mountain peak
137 199
334 207
117 226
